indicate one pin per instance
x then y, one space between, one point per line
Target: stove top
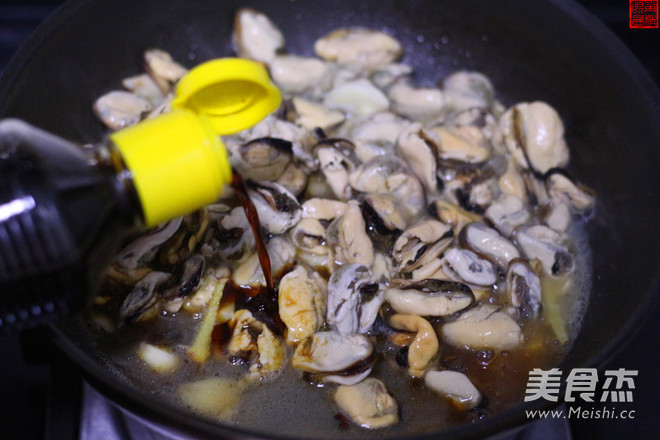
49 400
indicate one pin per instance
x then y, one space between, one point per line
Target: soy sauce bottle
65 211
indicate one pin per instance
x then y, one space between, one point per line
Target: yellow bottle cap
177 161
233 93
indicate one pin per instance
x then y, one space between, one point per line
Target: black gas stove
44 397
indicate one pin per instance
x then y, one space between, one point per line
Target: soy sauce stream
262 302
238 184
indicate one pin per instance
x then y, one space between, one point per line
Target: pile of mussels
380 201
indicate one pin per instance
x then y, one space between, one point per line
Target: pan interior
549 51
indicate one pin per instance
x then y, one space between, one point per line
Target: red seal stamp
643 14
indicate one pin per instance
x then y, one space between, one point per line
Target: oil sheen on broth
502 378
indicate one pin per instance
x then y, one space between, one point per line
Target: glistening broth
287 405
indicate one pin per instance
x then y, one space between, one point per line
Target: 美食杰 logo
583 385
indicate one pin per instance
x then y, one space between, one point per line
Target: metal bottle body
62 214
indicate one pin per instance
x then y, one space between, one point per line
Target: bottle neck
126 216
107 158
63 220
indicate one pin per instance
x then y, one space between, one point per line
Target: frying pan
549 50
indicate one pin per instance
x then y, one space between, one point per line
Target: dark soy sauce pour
251 213
262 304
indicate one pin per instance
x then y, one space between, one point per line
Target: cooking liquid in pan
289 405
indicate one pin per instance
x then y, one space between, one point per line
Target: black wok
549 50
